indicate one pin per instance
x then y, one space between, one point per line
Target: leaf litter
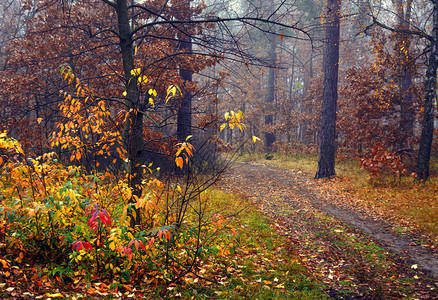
350 247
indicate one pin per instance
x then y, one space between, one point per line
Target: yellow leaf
135 72
57 295
255 139
128 193
112 245
151 102
223 126
188 137
125 93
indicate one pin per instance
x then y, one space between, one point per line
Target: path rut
295 202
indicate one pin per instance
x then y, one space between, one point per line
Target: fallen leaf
56 295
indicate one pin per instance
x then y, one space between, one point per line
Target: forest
208 149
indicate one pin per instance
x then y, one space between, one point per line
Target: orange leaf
4 263
179 162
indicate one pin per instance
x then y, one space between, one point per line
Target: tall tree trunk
430 92
308 77
326 161
292 77
133 132
406 109
270 95
184 118
270 92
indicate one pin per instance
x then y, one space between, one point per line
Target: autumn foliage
383 162
77 221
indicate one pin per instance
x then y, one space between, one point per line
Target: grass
259 265
413 203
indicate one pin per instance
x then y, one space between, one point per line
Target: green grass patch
259 266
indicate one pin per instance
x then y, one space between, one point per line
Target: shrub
78 224
382 162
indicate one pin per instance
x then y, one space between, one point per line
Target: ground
358 254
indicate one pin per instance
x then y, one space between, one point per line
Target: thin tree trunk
270 95
270 92
292 78
184 118
406 114
326 161
133 132
430 91
308 76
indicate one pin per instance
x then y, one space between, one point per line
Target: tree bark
184 118
406 113
270 98
326 161
430 92
270 91
133 132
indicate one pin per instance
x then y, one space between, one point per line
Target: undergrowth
65 232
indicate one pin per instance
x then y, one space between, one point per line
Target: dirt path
357 255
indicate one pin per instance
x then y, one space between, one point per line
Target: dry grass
411 203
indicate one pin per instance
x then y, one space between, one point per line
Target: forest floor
356 253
